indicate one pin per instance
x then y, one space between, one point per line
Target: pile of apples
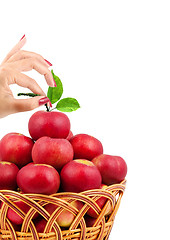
52 159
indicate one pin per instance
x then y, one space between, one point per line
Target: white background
114 57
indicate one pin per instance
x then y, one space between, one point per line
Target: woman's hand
16 62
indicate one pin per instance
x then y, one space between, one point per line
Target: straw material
77 230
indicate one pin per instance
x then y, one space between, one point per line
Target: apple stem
52 109
48 109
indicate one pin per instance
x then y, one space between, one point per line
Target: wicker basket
77 231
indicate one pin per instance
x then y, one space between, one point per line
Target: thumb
22 105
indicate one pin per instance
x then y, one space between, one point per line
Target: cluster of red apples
53 160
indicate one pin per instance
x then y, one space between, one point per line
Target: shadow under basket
78 229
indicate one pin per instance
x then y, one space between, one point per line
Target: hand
16 62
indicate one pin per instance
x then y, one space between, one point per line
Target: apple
16 148
38 178
14 217
16 227
86 146
80 175
101 202
90 221
51 124
109 208
0 151
8 175
113 169
52 151
40 224
70 135
66 217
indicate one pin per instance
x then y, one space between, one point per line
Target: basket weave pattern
78 229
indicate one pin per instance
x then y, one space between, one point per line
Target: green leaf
67 105
55 93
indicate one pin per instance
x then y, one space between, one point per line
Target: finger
22 54
15 49
27 82
32 63
22 105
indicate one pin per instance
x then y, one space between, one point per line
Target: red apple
86 146
80 175
90 221
109 208
113 169
100 202
16 148
16 227
38 178
40 224
0 151
51 124
8 175
14 217
52 151
70 135
66 217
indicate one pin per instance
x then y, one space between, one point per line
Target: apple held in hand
52 151
8 175
113 169
38 178
86 146
16 148
80 175
51 124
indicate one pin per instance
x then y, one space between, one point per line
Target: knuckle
22 53
39 56
3 69
31 83
33 61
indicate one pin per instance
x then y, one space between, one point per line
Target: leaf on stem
68 105
55 93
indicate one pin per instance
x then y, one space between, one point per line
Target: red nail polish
43 101
22 37
55 85
48 62
50 104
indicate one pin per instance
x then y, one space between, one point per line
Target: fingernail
22 37
55 85
48 62
50 104
43 101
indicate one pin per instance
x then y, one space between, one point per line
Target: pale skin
15 63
